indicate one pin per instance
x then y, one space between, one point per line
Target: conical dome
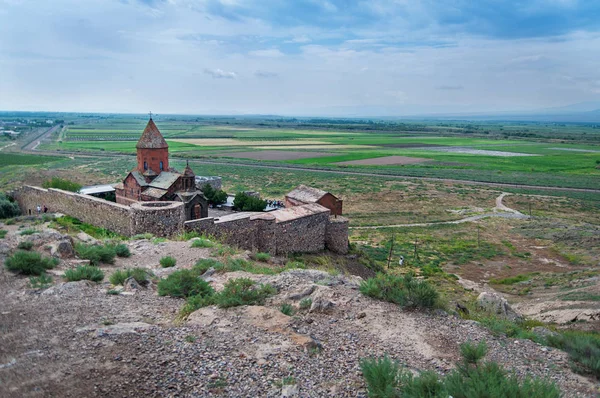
151 138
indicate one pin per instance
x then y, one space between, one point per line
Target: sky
298 57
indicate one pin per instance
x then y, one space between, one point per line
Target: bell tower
152 151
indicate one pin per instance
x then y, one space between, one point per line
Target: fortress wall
336 235
91 210
305 234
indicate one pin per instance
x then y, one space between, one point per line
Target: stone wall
91 210
158 218
214 182
302 235
165 220
336 235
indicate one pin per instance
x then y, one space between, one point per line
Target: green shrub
61 183
8 208
295 265
28 231
184 283
242 291
287 309
305 303
113 292
10 221
25 245
168 262
30 263
40 282
147 235
214 196
141 276
263 257
381 376
122 250
473 353
406 290
205 264
202 243
84 272
96 253
3 233
245 202
583 349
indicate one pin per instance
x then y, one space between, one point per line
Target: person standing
39 209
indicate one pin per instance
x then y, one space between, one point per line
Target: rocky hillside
84 339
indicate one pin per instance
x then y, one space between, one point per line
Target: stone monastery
154 198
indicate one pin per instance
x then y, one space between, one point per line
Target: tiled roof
164 180
151 137
139 178
306 194
155 192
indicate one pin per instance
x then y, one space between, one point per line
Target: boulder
130 284
498 305
302 293
321 304
63 249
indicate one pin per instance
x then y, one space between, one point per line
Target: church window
161 165
145 166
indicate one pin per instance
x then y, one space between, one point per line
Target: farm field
519 153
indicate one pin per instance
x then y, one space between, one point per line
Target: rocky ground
75 340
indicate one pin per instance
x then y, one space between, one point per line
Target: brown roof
306 194
156 193
151 137
188 172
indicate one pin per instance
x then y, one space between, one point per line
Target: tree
245 202
8 208
214 196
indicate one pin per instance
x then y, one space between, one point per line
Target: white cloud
270 53
220 74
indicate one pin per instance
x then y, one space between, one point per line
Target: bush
405 290
242 291
245 202
287 309
141 276
205 264
168 262
96 253
305 303
63 184
214 196
184 283
3 233
471 353
583 349
470 379
25 245
263 257
202 243
122 250
40 282
30 263
8 208
28 231
84 272
382 377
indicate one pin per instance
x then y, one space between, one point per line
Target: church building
154 180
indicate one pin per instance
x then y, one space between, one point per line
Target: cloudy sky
298 57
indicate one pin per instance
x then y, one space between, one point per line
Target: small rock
361 315
131 284
321 305
289 390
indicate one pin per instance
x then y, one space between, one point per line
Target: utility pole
391 250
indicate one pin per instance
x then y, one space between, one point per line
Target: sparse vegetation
3 233
25 245
202 243
242 291
84 272
184 283
73 225
583 349
406 290
262 257
305 303
97 254
28 231
30 263
168 262
141 276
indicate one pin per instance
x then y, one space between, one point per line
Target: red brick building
303 195
154 180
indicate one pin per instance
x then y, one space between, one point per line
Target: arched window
145 166
161 165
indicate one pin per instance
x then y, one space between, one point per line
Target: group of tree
61 183
245 202
8 207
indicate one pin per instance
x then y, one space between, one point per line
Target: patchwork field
386 160
277 155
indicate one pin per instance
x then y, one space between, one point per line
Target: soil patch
386 160
277 155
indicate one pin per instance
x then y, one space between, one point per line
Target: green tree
215 196
245 202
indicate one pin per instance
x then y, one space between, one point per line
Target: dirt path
6 146
500 211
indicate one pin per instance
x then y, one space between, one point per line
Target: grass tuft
406 290
168 262
84 272
287 309
29 263
122 250
184 283
25 245
141 276
97 254
40 282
